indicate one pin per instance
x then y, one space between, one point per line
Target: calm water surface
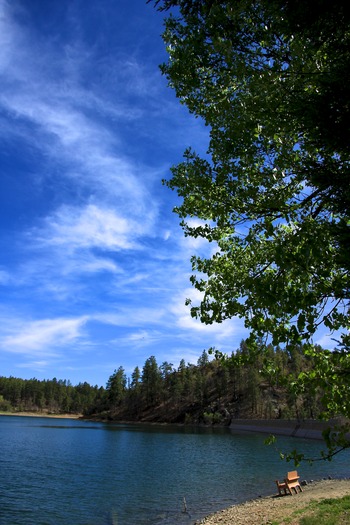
71 472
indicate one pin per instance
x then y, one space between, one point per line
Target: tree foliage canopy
271 79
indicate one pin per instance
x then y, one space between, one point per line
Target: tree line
215 390
211 392
47 396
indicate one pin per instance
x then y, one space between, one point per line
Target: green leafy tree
271 79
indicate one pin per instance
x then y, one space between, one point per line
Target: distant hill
213 392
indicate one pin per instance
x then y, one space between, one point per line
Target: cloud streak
43 336
89 227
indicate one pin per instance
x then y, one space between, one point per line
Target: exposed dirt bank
42 414
279 509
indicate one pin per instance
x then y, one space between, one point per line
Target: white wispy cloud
86 151
45 96
41 91
89 227
42 336
225 336
39 365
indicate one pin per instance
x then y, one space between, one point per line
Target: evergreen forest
48 396
214 391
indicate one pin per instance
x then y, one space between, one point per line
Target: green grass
328 512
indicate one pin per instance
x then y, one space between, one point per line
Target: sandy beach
279 509
42 414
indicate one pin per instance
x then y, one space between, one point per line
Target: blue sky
94 268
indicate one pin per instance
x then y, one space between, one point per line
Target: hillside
213 392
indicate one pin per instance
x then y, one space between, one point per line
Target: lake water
71 472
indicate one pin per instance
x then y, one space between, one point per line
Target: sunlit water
70 472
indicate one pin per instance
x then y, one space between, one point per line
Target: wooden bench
290 482
282 486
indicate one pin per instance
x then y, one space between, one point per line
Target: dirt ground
42 414
280 509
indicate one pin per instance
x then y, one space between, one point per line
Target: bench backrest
292 476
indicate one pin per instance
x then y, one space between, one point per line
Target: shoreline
309 428
42 414
276 508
